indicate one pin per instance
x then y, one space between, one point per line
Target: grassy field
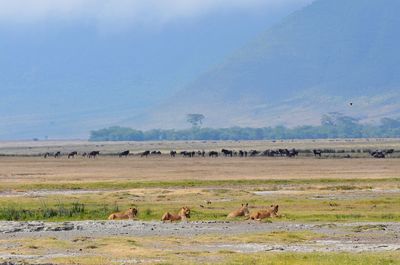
308 190
33 188
267 259
321 201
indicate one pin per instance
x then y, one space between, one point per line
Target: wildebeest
172 153
389 151
317 152
378 154
282 152
156 153
84 154
269 153
57 154
227 152
46 155
72 154
188 153
253 153
124 153
145 153
292 153
93 154
213 154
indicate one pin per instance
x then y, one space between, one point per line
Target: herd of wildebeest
230 153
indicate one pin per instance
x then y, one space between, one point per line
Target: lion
129 214
242 211
268 213
183 214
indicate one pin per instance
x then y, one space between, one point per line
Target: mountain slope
319 59
62 78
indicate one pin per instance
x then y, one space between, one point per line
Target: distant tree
195 119
333 125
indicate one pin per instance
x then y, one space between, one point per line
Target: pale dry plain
334 210
38 170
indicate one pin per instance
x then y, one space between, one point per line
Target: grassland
329 202
309 191
27 170
29 148
331 190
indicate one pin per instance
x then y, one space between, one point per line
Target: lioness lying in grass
262 214
183 214
129 214
242 211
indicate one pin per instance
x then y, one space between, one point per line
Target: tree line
333 125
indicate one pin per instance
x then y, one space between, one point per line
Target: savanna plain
340 208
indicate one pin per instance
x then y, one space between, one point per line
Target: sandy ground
36 169
349 237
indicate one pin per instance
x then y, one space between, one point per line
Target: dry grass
157 182
38 170
307 190
34 148
30 169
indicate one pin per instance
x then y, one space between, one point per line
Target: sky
127 12
69 66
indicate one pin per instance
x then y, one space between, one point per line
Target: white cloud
124 11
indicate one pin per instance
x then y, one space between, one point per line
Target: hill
62 78
318 60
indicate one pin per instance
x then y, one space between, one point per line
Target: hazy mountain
318 60
63 77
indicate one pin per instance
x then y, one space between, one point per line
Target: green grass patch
315 259
293 207
274 237
58 212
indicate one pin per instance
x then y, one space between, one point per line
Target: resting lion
268 213
242 211
183 214
129 214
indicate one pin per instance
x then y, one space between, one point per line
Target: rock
61 227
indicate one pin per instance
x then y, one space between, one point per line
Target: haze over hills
318 60
67 67
64 78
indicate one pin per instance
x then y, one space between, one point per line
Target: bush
337 127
